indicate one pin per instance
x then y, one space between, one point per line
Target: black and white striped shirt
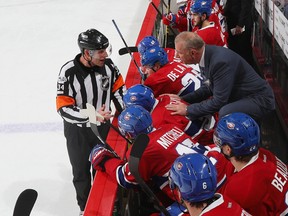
78 85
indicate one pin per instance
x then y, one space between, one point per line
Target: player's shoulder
233 207
163 100
270 161
223 205
165 129
169 50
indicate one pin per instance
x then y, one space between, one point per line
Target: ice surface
37 38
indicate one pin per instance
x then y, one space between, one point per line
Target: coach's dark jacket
229 78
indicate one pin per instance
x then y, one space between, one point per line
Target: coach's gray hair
190 40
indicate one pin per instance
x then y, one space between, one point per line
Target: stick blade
126 50
139 145
25 202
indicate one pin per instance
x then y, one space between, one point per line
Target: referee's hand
106 115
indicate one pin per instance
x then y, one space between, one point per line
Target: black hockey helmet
92 40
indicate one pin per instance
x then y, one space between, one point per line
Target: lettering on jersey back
174 74
280 176
169 137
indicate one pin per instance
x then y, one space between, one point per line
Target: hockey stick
159 12
117 131
143 76
167 32
124 50
91 113
166 6
137 150
25 202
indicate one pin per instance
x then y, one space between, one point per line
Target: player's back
166 144
169 142
260 187
196 129
212 35
278 187
224 206
174 78
160 115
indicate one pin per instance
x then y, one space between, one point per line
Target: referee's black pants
80 142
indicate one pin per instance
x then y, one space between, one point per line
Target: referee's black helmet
92 39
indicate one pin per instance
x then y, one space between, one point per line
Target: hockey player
164 77
200 130
166 144
258 180
180 20
209 31
217 16
194 178
91 77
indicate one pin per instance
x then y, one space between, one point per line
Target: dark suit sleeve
197 96
221 81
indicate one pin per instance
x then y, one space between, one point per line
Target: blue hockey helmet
134 120
153 55
146 43
195 177
201 7
240 132
139 95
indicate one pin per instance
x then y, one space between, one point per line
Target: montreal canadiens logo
127 117
179 166
133 98
152 50
230 125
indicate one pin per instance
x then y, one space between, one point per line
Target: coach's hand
177 108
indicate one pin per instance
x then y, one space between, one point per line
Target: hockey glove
169 19
99 155
181 10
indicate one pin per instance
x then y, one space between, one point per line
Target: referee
92 78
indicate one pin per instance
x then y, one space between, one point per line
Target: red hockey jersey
261 186
224 206
200 130
174 78
212 35
166 144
